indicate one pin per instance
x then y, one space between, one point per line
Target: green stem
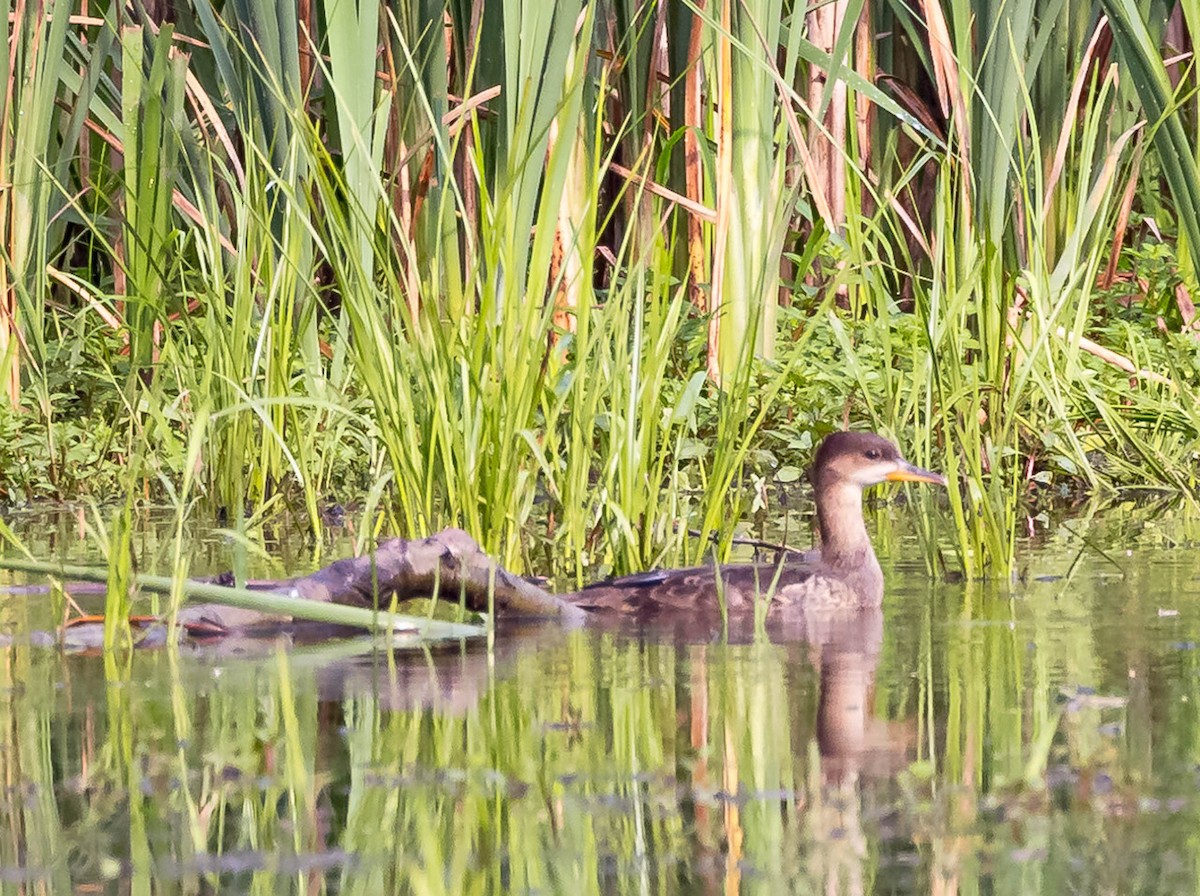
263 601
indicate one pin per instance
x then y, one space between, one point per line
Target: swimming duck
842 574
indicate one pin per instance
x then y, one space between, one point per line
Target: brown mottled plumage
842 575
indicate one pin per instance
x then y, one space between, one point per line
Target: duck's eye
872 454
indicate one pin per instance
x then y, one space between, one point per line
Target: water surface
1035 736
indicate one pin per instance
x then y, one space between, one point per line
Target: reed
576 287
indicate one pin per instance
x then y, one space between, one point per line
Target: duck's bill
906 472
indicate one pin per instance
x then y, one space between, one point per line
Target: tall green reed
152 88
36 40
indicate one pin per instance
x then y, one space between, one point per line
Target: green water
1041 736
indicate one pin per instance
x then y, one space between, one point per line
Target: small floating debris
1164 611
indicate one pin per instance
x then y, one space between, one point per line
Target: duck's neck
845 546
845 543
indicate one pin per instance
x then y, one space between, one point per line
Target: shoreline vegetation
582 279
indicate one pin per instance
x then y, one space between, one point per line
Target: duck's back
733 590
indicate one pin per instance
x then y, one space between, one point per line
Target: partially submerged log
358 592
449 566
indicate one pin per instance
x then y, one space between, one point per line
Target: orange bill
906 472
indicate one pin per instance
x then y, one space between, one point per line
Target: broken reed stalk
267 602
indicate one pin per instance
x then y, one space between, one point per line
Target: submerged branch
448 564
356 591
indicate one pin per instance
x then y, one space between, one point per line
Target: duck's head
863 459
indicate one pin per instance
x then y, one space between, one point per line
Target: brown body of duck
843 574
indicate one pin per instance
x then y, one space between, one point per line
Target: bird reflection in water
715 782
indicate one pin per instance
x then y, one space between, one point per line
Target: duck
842 574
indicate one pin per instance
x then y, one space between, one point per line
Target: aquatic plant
579 288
